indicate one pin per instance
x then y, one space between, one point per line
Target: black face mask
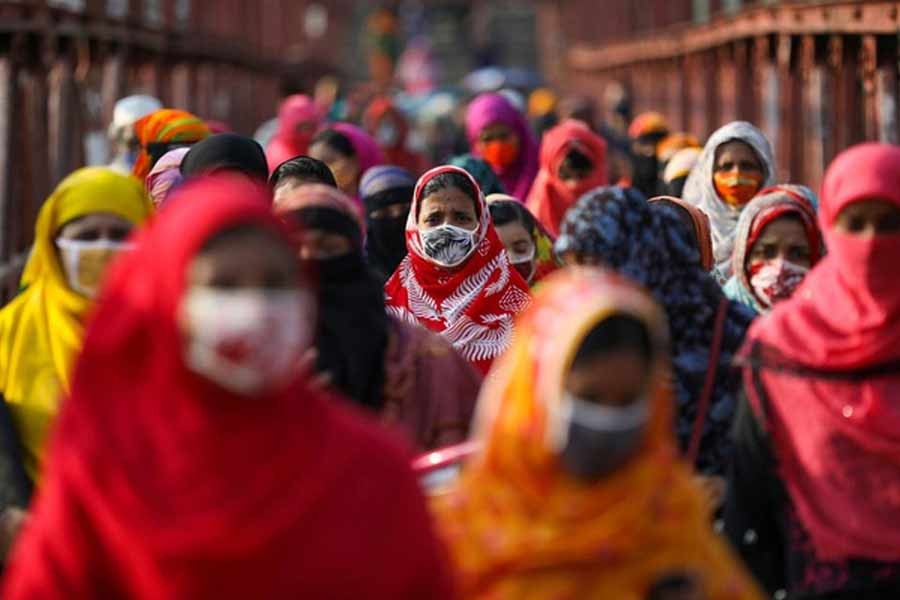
386 244
646 174
340 269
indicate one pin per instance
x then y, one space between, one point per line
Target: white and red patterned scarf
474 304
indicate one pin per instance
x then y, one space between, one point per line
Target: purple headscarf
488 109
368 154
165 176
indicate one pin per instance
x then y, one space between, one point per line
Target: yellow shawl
41 329
519 527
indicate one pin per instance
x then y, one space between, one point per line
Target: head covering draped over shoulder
167 127
41 329
771 204
492 109
519 526
288 142
821 408
239 501
481 171
551 197
472 305
652 247
700 190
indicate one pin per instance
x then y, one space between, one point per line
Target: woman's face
449 206
737 157
318 244
96 227
616 379
345 168
252 259
516 239
499 145
869 218
784 239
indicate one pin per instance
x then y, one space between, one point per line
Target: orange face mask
499 153
736 189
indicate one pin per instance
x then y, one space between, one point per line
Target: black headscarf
352 333
381 187
226 152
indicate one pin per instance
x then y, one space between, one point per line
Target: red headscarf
163 485
288 142
474 304
827 359
550 197
383 108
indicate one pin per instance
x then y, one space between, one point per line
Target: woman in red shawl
456 278
390 128
573 161
191 461
298 120
814 505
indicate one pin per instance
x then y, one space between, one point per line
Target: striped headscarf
169 127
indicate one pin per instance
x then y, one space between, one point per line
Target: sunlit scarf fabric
472 305
168 126
41 329
651 246
520 527
700 191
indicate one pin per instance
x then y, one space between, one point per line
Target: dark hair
508 211
451 180
226 152
577 161
618 332
305 168
335 140
398 195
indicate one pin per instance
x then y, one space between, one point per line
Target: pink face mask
775 281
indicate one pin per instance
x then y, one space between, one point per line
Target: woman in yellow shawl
578 491
80 228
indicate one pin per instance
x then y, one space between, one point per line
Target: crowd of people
577 359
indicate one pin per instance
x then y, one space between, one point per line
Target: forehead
513 231
450 198
496 128
784 227
736 150
322 151
96 220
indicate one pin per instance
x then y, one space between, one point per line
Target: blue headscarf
652 247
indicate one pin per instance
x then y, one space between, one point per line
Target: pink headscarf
288 142
165 175
368 154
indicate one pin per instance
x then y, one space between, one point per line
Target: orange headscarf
167 125
520 527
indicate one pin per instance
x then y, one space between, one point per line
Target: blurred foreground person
456 279
386 192
299 118
408 376
777 242
162 131
499 133
123 143
815 491
696 220
578 491
529 246
573 161
654 247
349 152
81 228
223 475
733 167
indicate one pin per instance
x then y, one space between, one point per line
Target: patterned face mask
737 189
775 281
448 245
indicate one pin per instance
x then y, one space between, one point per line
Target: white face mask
85 263
448 245
247 340
523 263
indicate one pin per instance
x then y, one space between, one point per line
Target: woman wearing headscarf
390 128
349 152
165 176
617 228
162 131
481 171
677 170
298 120
386 192
696 220
777 242
456 278
815 493
735 164
573 161
577 491
80 229
529 246
646 132
226 152
223 475
499 133
396 370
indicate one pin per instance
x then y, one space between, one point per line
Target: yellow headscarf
520 527
41 329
